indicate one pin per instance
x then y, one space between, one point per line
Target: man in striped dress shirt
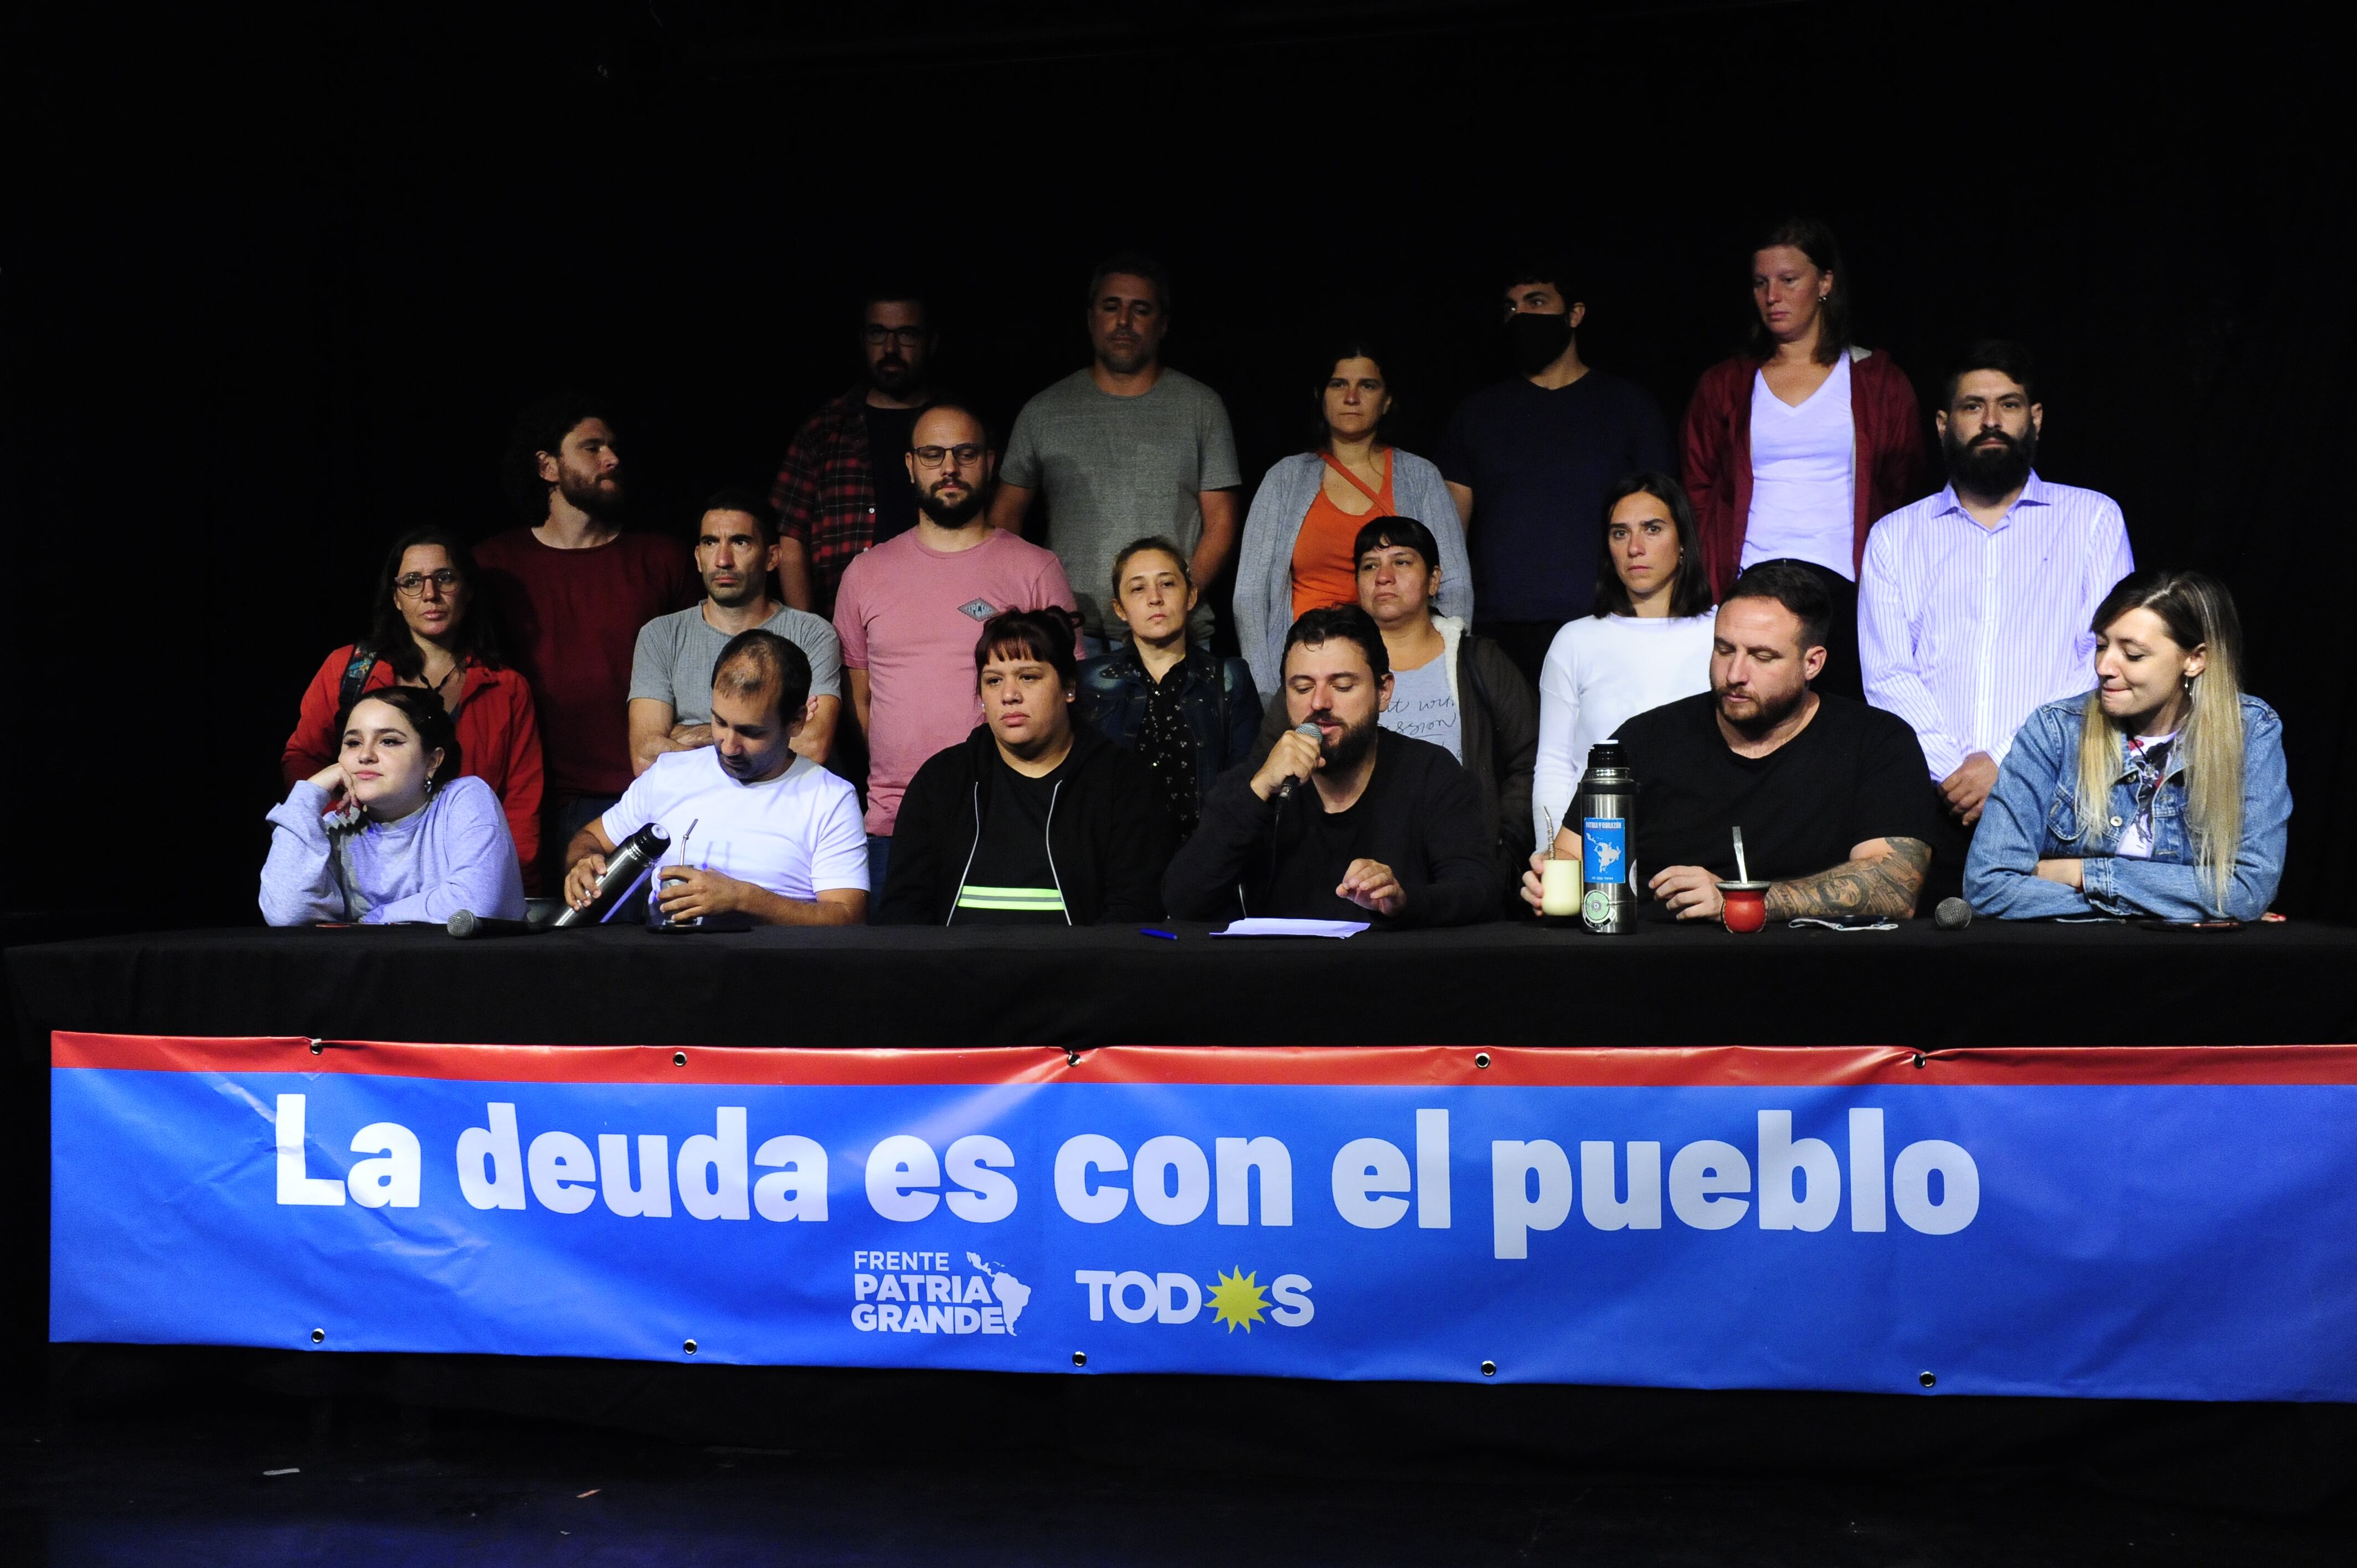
1973 605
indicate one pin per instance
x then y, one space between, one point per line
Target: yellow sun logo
1237 1299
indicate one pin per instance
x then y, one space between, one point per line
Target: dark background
271 291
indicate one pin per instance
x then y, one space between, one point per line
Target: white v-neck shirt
1803 476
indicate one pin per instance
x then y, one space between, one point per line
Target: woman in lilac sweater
389 832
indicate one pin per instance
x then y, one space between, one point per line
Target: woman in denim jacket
1190 717
2159 793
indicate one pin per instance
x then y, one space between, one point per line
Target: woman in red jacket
1793 448
426 633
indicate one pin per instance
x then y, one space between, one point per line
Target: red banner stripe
1373 1067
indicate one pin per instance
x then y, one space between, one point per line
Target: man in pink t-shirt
911 610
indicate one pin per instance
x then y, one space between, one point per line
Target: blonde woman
2159 793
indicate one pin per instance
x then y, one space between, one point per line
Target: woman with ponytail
2160 793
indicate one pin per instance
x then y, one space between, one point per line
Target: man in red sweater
571 591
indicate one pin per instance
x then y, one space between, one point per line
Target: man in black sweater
1391 829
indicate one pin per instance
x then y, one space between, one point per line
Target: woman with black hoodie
1029 821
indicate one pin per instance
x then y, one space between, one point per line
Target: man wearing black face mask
1973 605
1528 460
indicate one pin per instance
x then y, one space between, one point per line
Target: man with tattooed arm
1831 794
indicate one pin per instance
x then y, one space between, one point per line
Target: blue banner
1726 1218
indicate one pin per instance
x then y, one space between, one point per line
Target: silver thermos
1604 814
623 869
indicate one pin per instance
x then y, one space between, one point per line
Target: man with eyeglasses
1124 449
911 610
842 487
573 588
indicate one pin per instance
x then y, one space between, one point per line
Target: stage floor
368 1484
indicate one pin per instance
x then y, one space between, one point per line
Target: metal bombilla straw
1742 870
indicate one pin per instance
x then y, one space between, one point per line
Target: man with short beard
1830 793
910 610
1973 604
1362 823
573 589
1528 459
842 486
1127 448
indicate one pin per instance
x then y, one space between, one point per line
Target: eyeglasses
411 584
906 337
933 456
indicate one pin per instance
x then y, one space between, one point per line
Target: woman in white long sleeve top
1647 644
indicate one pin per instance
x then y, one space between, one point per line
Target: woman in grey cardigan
1352 476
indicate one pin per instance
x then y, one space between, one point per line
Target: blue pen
1166 935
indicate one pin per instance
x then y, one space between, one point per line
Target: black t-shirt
1855 773
1538 461
887 443
1012 880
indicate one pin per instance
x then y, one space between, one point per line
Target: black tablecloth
1506 984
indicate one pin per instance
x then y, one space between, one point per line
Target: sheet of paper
1271 927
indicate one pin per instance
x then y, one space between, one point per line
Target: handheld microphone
1953 914
1308 731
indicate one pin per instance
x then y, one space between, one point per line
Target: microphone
1309 732
465 924
1953 914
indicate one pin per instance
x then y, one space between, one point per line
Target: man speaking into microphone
1358 823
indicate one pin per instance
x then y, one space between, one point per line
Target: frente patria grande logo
923 1292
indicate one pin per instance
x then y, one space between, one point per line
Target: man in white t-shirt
756 829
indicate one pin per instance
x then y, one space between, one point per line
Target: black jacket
1499 714
1109 833
1420 815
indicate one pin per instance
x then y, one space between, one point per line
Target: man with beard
1973 604
573 589
1390 830
1124 449
670 675
911 609
1830 793
759 834
842 486
1527 460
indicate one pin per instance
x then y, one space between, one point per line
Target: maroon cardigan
1715 453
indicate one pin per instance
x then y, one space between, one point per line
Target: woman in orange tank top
1358 486
1295 554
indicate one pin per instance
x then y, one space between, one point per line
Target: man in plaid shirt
844 486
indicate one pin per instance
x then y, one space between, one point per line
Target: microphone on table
1308 731
467 923
1953 914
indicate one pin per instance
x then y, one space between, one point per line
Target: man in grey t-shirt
671 670
1125 448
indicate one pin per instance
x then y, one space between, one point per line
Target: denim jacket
1222 710
2032 815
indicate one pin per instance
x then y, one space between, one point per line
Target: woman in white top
1793 448
1647 644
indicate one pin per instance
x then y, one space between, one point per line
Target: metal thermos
623 869
1604 814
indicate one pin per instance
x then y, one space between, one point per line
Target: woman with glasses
2160 793
429 633
1298 553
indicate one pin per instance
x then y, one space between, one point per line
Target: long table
1805 1013
1502 984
